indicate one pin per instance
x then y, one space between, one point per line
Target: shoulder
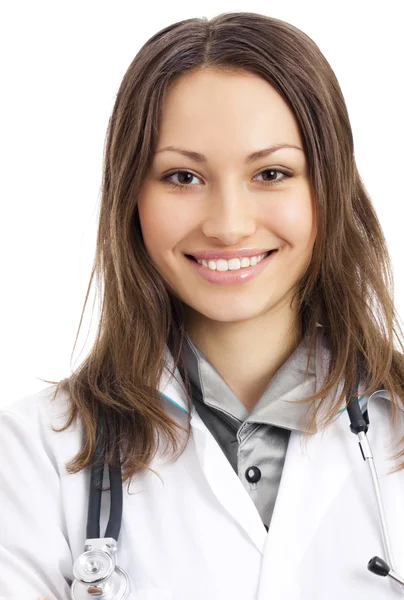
43 406
29 423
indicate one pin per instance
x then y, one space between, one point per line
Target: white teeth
232 264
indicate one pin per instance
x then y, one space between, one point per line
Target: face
227 203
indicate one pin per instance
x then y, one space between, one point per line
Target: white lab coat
195 534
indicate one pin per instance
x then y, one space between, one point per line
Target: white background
61 66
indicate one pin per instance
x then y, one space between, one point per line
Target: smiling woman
245 305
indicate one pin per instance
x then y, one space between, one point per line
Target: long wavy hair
348 287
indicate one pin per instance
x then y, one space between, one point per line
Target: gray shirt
255 443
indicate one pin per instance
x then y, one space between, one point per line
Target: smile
232 271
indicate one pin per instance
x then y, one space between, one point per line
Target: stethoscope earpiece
378 566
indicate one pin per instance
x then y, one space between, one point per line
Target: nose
231 215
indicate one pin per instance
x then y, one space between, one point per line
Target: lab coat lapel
225 483
221 478
308 486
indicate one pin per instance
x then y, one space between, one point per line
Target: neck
246 354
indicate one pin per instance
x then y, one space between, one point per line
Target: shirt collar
276 406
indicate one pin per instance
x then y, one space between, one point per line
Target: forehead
209 111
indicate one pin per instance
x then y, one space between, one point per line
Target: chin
231 312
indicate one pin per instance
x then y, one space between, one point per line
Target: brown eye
189 176
275 181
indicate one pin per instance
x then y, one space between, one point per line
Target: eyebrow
198 157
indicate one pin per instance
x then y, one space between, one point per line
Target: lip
228 254
232 277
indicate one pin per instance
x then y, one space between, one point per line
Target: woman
229 140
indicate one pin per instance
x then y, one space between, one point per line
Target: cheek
293 220
162 227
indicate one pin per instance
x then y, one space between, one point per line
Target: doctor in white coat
197 534
190 529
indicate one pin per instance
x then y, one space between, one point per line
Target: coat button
253 474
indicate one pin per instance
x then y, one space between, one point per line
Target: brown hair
347 287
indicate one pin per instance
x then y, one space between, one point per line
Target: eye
182 186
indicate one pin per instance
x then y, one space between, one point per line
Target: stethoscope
96 572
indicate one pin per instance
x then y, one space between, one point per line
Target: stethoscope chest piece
96 573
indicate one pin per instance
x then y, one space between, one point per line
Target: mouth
190 257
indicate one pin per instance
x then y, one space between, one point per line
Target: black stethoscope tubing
94 503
